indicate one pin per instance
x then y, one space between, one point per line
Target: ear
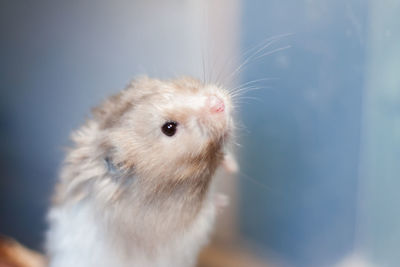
229 163
110 111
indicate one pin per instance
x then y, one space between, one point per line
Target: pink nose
216 104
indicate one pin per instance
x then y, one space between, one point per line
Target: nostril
215 103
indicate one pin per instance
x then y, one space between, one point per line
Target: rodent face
200 115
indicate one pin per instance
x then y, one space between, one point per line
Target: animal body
136 187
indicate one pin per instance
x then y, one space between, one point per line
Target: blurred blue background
304 135
320 151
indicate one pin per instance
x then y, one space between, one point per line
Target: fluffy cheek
153 157
176 158
189 153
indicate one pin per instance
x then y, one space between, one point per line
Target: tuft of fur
154 207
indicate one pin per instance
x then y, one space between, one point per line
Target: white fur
75 239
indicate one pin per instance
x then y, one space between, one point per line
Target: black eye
169 128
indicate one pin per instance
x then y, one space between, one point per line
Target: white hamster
135 188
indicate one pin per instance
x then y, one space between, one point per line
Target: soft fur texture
154 207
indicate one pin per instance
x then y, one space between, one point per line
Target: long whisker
247 60
241 94
250 82
255 55
258 183
242 91
204 64
248 54
273 51
241 102
265 41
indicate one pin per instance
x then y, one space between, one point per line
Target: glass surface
323 138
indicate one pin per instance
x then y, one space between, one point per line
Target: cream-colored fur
153 206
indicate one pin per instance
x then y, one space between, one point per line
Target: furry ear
229 163
109 112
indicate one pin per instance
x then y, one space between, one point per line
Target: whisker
274 51
268 39
258 183
236 143
204 65
239 91
248 97
248 54
244 90
251 82
254 55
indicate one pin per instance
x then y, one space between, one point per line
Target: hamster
135 189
